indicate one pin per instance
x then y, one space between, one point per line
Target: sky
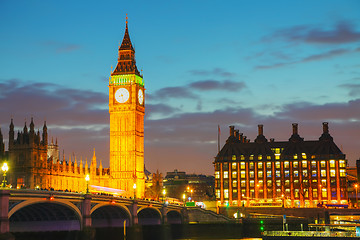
205 63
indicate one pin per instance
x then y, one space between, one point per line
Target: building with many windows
293 173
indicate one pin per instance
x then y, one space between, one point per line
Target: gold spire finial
126 19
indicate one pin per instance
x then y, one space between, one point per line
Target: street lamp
164 193
87 179
134 187
4 168
184 199
356 186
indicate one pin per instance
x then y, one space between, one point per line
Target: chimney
237 134
295 128
260 129
325 127
231 130
272 140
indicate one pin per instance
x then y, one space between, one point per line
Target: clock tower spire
127 110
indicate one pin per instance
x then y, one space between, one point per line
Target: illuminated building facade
127 110
293 173
35 164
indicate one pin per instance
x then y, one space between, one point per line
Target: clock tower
127 110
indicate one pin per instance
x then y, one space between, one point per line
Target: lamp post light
4 168
164 194
134 187
87 179
356 195
184 199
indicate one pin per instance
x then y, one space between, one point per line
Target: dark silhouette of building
293 173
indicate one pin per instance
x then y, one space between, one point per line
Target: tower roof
126 61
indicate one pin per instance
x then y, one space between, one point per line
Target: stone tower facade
127 110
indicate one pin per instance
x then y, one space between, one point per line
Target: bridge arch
174 217
44 215
110 215
149 216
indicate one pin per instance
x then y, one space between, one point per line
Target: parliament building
293 173
34 162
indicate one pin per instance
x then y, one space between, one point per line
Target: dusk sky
205 63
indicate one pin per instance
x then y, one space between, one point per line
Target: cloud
354 89
314 57
173 92
215 72
60 47
227 85
342 32
162 109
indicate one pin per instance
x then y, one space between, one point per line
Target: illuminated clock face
141 97
122 95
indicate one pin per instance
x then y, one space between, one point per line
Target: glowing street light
87 179
164 194
356 187
4 168
184 199
134 187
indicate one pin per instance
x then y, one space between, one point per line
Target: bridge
36 210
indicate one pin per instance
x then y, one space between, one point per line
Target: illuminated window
295 164
217 174
251 157
277 173
295 156
268 174
342 173
226 174
323 173
268 157
296 173
277 164
305 173
233 166
252 183
260 174
251 165
260 157
322 164
315 193
287 183
313 173
233 157
242 174
278 183
217 193
226 193
234 174
234 183
324 193
260 165
243 183
313 164
269 183
332 173
296 193
252 175
286 164
332 163
268 164
261 183
342 164
242 157
287 173
277 156
303 155
304 164
242 165
323 182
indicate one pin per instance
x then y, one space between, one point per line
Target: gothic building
293 173
34 163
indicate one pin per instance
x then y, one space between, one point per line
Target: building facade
293 173
34 163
